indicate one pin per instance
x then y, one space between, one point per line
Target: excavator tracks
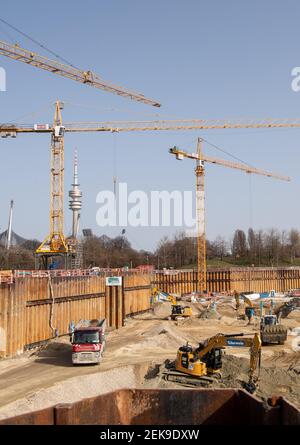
186 380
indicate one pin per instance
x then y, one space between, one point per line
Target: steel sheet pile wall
29 314
240 279
137 289
165 407
265 279
186 282
75 298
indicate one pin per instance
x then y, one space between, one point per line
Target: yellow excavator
249 309
198 366
177 309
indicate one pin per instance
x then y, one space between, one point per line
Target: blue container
264 294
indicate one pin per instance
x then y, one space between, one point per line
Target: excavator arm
172 299
238 297
247 301
286 308
235 340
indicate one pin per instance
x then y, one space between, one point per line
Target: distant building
147 268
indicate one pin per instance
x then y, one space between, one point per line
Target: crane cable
250 202
226 152
115 178
36 42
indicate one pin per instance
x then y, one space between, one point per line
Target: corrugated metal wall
29 314
240 279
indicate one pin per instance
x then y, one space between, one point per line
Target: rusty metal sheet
166 407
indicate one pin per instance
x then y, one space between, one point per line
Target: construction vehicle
286 308
88 341
195 366
180 311
177 309
164 296
271 331
249 307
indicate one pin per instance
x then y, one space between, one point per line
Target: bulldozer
201 365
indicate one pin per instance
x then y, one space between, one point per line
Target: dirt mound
197 308
165 335
162 310
282 381
229 321
77 388
210 314
227 309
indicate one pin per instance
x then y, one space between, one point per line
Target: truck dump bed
88 324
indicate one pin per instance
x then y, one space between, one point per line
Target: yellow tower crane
56 243
201 159
11 130
87 77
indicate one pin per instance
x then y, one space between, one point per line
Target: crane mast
55 242
200 212
200 199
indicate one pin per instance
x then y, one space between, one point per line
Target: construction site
193 333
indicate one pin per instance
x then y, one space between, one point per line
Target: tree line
255 247
259 248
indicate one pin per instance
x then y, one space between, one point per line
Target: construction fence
246 279
37 306
35 309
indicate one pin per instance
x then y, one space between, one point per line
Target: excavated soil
135 357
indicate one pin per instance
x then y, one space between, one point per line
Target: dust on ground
135 357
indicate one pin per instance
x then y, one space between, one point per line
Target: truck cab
88 342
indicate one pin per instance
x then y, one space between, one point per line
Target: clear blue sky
200 60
